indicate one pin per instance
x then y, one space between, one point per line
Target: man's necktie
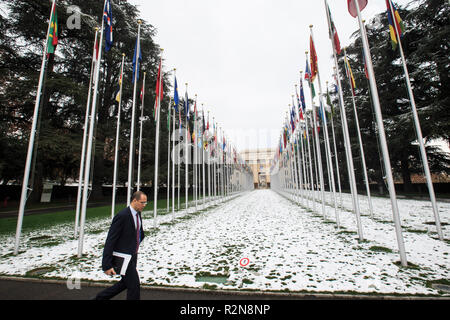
138 231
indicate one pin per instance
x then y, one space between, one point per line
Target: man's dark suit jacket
121 237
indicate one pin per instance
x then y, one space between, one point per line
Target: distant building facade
259 160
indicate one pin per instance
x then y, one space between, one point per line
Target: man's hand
110 272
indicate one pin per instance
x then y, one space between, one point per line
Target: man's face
140 204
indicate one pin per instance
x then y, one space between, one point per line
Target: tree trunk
406 175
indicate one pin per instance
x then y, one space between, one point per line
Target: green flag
53 32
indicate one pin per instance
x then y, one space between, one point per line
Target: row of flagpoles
292 169
227 174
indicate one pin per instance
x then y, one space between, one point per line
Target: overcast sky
243 57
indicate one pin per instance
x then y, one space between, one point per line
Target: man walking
124 236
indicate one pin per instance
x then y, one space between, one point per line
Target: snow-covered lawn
283 246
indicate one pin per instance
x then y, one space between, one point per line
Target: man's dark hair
137 195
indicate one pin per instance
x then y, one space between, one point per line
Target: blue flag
302 96
307 71
139 60
176 100
107 17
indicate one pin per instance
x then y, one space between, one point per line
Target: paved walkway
35 289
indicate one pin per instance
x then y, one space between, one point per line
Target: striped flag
337 43
398 21
349 72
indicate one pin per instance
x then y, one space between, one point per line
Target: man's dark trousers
129 281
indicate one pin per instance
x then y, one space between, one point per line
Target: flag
107 17
313 59
337 43
159 89
352 7
366 71
53 32
349 72
176 99
293 118
117 93
203 124
186 105
398 22
307 71
188 132
96 51
302 96
321 115
195 108
136 61
308 77
300 112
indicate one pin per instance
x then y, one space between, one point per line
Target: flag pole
361 147
133 112
194 162
158 102
186 155
203 159
173 154
87 168
423 153
168 154
85 131
348 153
209 169
179 160
327 142
116 151
317 145
213 167
141 124
26 177
336 159
383 142
311 178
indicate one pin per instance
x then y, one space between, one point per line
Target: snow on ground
289 248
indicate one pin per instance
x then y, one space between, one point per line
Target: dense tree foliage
24 25
426 47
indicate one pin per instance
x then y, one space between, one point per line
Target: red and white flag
352 7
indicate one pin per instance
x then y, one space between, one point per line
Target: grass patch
432 223
409 266
48 220
417 231
380 249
